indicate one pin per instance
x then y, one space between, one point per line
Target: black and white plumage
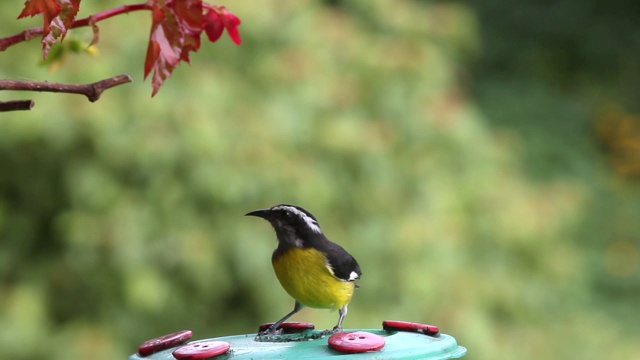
297 227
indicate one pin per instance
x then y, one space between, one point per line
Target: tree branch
29 34
91 91
14 105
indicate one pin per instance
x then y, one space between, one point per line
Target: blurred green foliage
451 148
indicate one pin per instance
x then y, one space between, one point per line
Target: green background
481 161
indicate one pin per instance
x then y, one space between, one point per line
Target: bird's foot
335 330
268 334
272 331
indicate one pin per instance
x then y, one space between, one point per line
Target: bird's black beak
263 213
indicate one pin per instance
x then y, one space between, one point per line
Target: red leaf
175 32
232 22
213 25
70 9
58 18
50 9
160 50
189 17
217 19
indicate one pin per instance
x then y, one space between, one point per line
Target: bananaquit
315 271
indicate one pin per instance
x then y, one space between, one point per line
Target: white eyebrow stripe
313 225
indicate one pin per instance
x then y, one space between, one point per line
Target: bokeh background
481 160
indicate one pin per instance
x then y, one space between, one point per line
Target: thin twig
29 34
91 91
14 105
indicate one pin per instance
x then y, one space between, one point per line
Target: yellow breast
304 274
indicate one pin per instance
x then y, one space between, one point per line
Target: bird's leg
343 314
272 330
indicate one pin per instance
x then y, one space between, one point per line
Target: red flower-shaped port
219 18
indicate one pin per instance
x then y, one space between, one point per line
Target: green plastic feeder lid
397 340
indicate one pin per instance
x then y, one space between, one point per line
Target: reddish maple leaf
189 18
70 9
58 18
175 32
49 8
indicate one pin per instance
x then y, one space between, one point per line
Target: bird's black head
292 224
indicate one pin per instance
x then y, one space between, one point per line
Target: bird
314 271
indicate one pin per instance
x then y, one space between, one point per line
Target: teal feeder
397 340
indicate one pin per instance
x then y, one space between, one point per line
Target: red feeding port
164 342
397 325
356 342
201 350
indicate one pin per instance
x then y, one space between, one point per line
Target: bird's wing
341 264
